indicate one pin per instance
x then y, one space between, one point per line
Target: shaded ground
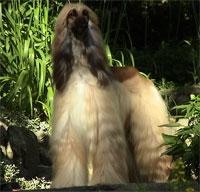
151 187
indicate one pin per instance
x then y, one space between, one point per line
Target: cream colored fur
148 112
104 134
88 127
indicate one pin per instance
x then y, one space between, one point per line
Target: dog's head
76 18
76 22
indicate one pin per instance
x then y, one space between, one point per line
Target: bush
184 145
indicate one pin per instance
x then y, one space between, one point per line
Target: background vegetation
160 38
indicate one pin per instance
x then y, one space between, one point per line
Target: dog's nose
82 22
80 28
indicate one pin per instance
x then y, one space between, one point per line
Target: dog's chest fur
83 103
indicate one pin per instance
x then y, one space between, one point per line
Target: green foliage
119 46
25 45
172 61
179 182
181 59
33 184
19 119
184 144
164 84
179 172
10 171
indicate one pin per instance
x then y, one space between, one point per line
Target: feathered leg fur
110 155
69 154
99 141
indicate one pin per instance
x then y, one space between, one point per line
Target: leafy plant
184 144
179 182
195 61
33 184
119 46
10 171
25 46
12 174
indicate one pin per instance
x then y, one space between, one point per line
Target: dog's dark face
77 21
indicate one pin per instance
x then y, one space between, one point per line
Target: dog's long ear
62 61
97 59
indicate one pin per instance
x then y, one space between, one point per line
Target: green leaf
28 12
179 107
174 150
19 83
197 129
122 58
171 125
192 97
46 108
50 95
184 131
145 75
118 63
11 20
187 42
169 139
5 78
36 17
109 55
169 151
131 57
26 48
30 99
1 25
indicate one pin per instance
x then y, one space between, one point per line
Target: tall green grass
25 46
119 46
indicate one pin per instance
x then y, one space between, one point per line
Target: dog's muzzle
80 27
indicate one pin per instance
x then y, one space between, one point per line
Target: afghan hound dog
106 121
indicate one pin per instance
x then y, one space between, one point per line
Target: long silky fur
63 61
106 121
97 61
144 135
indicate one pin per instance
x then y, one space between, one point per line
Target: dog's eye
73 13
85 13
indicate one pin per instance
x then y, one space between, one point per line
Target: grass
25 46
